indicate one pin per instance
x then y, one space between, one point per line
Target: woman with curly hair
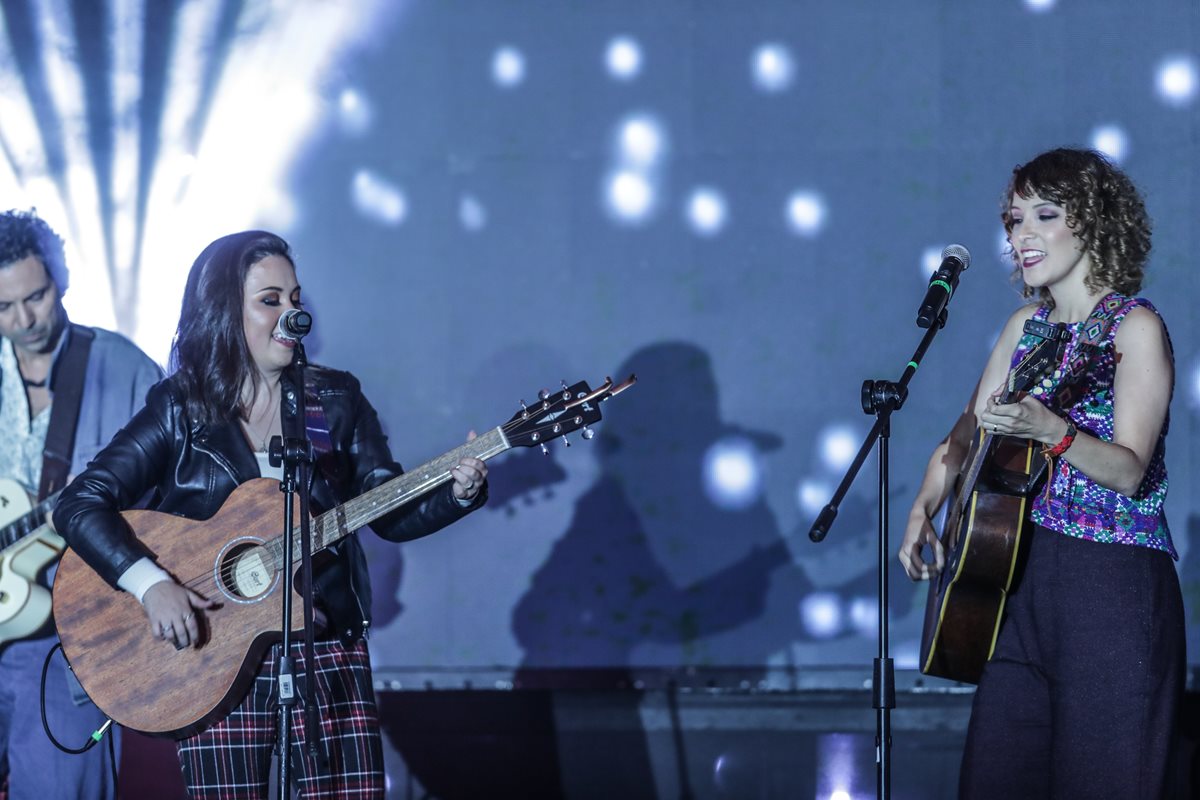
1080 696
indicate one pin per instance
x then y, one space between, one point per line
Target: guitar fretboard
27 523
339 522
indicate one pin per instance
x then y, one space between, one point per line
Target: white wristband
141 576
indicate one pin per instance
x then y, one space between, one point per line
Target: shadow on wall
655 570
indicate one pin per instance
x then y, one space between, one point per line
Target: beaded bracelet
1051 453
1061 447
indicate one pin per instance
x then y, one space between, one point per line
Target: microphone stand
294 452
880 398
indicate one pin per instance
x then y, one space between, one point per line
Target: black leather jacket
192 468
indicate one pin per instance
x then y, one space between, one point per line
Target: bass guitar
236 557
27 546
985 521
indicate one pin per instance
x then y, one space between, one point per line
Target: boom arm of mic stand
887 398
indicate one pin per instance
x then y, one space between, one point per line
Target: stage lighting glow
630 196
641 141
821 615
471 213
837 754
706 211
1040 5
1196 385
773 68
813 495
354 112
508 67
624 58
1111 141
378 199
1177 80
732 474
838 447
806 213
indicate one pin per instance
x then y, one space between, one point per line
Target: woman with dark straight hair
1081 693
204 431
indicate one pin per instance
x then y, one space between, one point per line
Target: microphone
955 259
293 324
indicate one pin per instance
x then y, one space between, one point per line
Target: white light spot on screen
471 213
732 474
378 199
630 196
624 58
821 614
772 68
813 495
1040 5
838 447
1196 385
1003 249
907 655
931 259
1111 141
838 794
806 213
864 615
706 211
354 112
641 141
508 67
1177 80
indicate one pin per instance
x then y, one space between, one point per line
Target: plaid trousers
232 759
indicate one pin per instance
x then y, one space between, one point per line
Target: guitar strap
1091 339
1070 388
316 425
66 385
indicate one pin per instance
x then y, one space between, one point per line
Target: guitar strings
225 582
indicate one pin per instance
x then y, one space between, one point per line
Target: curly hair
209 357
1103 208
23 234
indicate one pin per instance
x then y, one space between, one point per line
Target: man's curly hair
23 234
1102 206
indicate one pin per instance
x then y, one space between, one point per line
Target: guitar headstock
1038 362
561 412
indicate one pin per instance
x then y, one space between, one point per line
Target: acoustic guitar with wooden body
236 557
984 525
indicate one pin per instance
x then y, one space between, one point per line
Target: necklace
31 384
262 439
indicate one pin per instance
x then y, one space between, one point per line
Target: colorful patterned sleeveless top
1075 504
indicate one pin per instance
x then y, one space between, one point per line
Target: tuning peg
587 433
566 394
524 410
566 442
545 450
543 394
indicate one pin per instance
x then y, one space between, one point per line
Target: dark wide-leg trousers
1081 696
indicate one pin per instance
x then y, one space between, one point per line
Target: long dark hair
1103 207
209 357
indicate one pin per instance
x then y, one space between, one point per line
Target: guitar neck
27 523
339 522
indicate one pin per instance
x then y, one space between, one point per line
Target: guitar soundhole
247 572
